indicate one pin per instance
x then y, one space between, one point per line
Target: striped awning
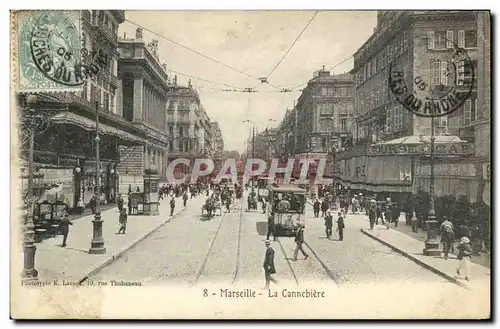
88 124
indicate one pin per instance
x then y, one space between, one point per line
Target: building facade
321 120
188 124
391 151
217 143
142 101
65 153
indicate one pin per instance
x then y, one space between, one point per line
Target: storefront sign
378 170
424 148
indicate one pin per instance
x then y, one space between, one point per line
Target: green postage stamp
48 56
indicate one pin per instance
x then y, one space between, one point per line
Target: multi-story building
188 124
321 119
217 143
65 153
391 144
324 111
143 102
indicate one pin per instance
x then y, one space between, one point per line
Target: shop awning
88 124
416 139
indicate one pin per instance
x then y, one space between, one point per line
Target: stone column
118 106
138 100
146 103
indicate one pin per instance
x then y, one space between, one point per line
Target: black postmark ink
57 52
427 98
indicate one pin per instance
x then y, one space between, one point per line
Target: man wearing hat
64 228
328 224
447 236
269 264
299 240
464 255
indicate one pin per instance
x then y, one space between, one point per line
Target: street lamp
253 143
34 122
97 243
431 241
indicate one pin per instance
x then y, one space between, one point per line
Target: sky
252 42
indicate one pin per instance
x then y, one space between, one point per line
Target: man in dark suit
269 264
299 240
271 227
340 226
64 228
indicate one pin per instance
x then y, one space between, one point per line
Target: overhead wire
293 44
192 50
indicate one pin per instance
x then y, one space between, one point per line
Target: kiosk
151 192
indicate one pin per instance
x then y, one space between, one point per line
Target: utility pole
253 147
97 243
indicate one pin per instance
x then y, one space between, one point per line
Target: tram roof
286 188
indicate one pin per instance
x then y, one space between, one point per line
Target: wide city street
229 249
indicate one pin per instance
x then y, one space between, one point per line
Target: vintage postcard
250 164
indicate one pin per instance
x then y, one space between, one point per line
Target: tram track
328 272
199 274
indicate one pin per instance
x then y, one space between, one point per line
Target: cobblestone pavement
230 248
227 251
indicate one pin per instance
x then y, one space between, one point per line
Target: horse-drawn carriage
212 204
252 201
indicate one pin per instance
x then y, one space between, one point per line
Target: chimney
124 35
164 67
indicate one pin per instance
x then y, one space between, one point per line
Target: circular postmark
56 50
441 83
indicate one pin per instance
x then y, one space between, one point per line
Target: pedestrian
119 202
414 223
172 206
324 207
464 255
122 219
316 206
447 236
185 198
269 268
340 226
328 224
388 212
93 204
64 228
379 213
372 212
299 240
81 206
271 227
129 203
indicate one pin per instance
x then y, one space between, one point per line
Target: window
461 38
181 131
323 142
470 111
343 91
106 101
444 73
443 121
396 118
430 40
324 91
180 146
325 110
388 121
343 123
436 72
465 71
439 39
449 39
85 91
170 146
396 48
405 40
171 130
389 54
471 39
383 58
375 65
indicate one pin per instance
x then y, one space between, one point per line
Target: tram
286 203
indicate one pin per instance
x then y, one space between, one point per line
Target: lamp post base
29 273
432 241
97 243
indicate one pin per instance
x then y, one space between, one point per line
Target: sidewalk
483 259
413 248
74 263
